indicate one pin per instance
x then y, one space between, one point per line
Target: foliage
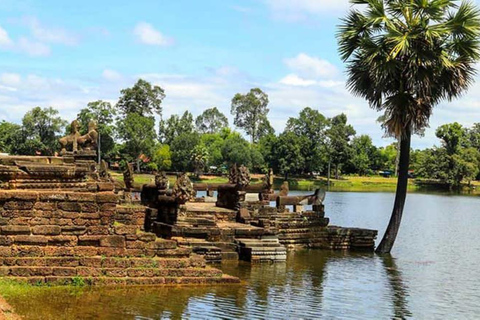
250 113
174 126
311 127
103 113
8 136
182 147
288 153
211 121
39 133
162 157
143 98
199 158
338 145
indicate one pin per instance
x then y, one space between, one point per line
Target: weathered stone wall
55 236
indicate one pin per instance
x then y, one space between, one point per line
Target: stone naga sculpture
128 177
161 181
239 176
183 190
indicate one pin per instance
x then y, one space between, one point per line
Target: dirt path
6 311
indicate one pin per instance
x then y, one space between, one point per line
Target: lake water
433 273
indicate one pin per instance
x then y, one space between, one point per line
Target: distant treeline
309 144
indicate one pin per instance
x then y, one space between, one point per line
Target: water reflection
434 275
399 290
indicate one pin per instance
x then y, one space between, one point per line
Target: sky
65 54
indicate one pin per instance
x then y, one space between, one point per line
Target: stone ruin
61 219
242 223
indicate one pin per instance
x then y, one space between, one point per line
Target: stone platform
63 236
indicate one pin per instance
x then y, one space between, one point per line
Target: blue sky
67 53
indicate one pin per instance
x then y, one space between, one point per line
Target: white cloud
10 79
311 67
33 48
5 40
111 75
294 80
48 34
298 10
147 34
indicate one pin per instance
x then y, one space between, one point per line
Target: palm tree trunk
394 225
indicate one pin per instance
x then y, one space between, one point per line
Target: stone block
89 207
73 230
45 206
81 197
52 196
113 241
30 240
47 230
69 206
65 241
104 197
64 271
18 205
15 230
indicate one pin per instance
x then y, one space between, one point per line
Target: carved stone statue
183 189
161 181
243 177
103 173
233 174
284 189
269 179
239 176
89 141
70 142
128 176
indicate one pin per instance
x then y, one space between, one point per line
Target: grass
348 183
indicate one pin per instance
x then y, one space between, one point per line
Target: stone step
123 281
16 271
104 262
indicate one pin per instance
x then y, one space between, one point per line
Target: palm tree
404 57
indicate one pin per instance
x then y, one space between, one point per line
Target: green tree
143 98
182 147
364 155
288 154
236 150
338 144
174 126
250 113
138 134
211 121
9 133
453 135
104 114
310 126
40 132
404 57
162 157
199 159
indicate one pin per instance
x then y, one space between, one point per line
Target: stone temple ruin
64 217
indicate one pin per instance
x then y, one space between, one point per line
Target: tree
9 133
143 99
250 112
182 147
452 136
310 127
103 113
288 153
138 133
174 126
162 157
211 121
404 57
364 154
338 144
40 132
199 158
236 150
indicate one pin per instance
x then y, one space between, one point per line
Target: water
432 274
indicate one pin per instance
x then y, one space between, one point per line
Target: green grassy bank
348 183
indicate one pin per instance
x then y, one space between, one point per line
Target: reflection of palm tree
399 290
